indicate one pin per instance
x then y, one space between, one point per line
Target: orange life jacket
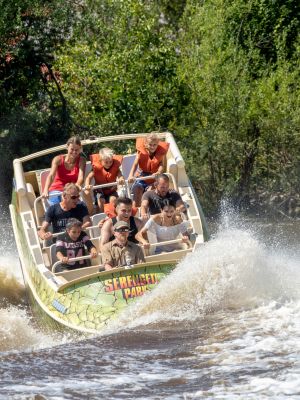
147 164
102 175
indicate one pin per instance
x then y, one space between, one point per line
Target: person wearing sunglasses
121 252
58 214
123 213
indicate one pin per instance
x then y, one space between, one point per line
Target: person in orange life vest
106 169
65 168
150 160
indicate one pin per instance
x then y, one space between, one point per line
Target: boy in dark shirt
72 244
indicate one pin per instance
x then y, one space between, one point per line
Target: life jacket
101 175
147 164
64 175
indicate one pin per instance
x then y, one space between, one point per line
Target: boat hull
87 304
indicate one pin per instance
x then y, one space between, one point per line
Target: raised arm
133 169
87 183
141 237
120 178
51 176
144 209
80 179
106 233
86 221
42 232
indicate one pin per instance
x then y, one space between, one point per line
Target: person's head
124 208
70 196
168 208
106 157
73 228
121 231
151 142
162 184
74 147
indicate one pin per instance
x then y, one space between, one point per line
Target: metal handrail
70 260
166 242
104 185
43 198
144 178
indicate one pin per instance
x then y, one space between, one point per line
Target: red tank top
64 175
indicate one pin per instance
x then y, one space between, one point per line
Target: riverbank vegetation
223 76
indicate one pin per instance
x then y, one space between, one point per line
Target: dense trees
222 75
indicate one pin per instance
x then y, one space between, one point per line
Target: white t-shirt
164 233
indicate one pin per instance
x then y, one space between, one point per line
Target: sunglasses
122 230
74 197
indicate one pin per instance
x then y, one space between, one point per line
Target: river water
224 325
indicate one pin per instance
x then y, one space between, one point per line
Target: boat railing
127 185
88 257
57 263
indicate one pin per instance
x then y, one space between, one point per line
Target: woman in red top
65 168
150 160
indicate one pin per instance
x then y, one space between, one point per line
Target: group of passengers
121 231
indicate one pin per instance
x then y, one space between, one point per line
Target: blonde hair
152 136
70 186
106 153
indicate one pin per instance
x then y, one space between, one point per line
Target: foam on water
232 271
17 330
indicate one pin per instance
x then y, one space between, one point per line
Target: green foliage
32 107
244 96
120 76
222 75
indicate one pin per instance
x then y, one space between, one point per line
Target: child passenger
106 169
72 244
150 160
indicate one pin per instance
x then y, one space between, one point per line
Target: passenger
58 214
72 244
106 169
124 213
152 200
65 168
120 251
166 225
150 160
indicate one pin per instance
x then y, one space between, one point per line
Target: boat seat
127 164
43 177
94 231
53 257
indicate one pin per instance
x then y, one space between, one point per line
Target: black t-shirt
74 248
156 201
56 216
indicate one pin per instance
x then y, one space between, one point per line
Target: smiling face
151 145
73 151
124 211
107 162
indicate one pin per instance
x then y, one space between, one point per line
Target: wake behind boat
86 299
